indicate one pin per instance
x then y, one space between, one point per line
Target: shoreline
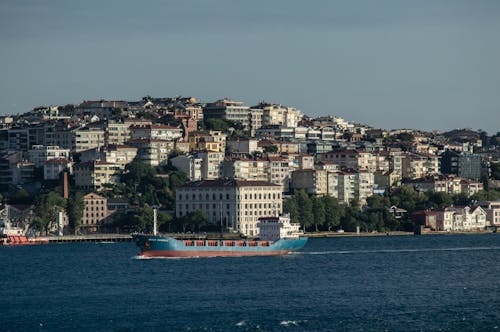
391 233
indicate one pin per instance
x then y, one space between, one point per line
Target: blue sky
425 64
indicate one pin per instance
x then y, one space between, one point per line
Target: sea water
386 283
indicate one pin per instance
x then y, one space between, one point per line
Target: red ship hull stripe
203 253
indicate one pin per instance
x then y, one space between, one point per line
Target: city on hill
103 166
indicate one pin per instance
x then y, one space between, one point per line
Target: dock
88 238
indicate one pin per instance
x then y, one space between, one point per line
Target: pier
89 238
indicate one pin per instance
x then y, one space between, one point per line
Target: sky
422 64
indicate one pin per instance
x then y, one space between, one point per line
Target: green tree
305 209
270 149
74 209
495 171
486 195
193 221
22 196
461 199
406 198
47 208
438 199
319 212
291 206
333 212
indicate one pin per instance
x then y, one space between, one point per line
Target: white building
156 131
277 114
229 110
492 209
87 138
39 154
211 166
190 165
237 204
461 219
355 185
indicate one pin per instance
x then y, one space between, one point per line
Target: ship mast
155 217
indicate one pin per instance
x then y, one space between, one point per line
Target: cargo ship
277 236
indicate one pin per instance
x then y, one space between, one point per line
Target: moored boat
277 237
13 236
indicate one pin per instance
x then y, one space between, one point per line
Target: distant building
39 154
229 110
190 165
88 138
94 175
471 166
460 219
277 114
492 209
95 212
54 167
153 152
237 204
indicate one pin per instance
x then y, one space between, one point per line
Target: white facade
190 165
464 219
156 131
39 154
211 164
237 204
86 138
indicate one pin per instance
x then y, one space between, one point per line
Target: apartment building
93 175
95 212
54 167
351 159
417 166
116 154
211 164
212 140
155 131
235 204
153 152
355 185
39 154
277 114
229 110
88 138
190 165
117 133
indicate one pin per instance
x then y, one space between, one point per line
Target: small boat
278 236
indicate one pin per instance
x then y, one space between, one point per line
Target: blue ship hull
159 246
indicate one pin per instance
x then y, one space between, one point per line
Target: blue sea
386 283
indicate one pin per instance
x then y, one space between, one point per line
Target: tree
438 199
495 171
461 199
271 149
75 207
193 221
47 208
406 198
333 212
305 209
319 212
291 206
22 196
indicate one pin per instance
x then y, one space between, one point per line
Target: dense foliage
326 214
